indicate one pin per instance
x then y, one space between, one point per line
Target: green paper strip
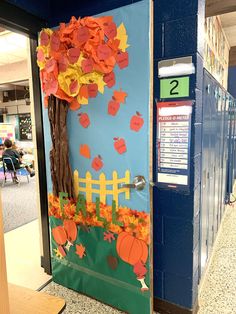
176 87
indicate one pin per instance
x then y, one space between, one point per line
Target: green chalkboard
176 87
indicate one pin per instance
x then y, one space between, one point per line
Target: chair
9 167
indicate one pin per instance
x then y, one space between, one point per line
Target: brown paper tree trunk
61 173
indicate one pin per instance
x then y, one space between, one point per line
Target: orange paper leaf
80 250
85 151
120 96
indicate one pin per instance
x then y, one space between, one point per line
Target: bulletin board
7 131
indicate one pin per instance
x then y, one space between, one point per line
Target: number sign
175 87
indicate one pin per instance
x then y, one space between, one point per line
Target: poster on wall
173 144
97 107
7 130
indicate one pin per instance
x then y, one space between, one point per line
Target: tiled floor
218 293
23 256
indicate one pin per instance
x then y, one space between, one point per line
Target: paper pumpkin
83 52
71 230
130 249
61 250
59 235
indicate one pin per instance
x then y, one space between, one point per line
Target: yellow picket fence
86 185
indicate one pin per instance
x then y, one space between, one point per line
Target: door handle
138 184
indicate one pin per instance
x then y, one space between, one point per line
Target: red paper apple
44 39
120 145
55 42
92 90
83 34
84 119
74 85
109 79
62 63
87 65
110 30
113 107
136 122
122 59
73 55
103 52
97 163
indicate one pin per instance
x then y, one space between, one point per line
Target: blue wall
232 81
177 25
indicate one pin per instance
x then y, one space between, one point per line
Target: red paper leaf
108 236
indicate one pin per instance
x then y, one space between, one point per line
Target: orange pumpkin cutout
71 230
84 151
130 249
59 234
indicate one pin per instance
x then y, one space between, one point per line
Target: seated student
9 152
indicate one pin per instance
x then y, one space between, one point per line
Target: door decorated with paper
95 75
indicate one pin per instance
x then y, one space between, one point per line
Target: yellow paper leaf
123 37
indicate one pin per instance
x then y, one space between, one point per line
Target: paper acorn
83 52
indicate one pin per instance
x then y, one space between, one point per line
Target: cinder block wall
178 32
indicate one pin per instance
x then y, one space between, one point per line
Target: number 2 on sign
175 84
175 87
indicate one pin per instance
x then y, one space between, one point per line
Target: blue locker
205 171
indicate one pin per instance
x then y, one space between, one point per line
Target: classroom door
101 242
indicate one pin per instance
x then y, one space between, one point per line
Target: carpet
18 202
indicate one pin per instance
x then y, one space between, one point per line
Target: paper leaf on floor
122 36
80 250
58 253
108 236
112 261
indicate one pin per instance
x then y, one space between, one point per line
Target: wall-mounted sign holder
173 144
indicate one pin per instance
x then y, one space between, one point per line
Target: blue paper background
135 80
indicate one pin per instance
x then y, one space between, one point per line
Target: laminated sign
173 144
95 76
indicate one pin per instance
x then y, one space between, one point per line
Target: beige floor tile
23 256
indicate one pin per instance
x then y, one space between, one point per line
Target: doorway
16 20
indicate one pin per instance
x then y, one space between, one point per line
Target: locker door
205 172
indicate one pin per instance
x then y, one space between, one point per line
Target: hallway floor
218 290
23 257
